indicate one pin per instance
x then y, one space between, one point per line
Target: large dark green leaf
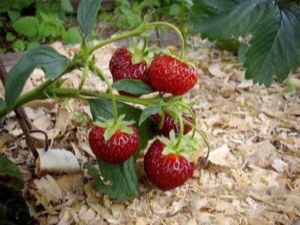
10 173
43 57
119 181
13 208
238 18
131 86
87 14
275 46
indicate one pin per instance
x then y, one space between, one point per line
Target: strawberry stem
176 30
181 129
134 33
192 114
84 75
102 76
201 133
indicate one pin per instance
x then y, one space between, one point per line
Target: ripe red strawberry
171 124
117 149
170 75
166 171
121 67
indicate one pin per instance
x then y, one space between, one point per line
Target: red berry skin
120 147
171 124
169 75
166 172
121 67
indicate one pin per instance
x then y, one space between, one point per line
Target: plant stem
201 133
74 93
176 30
136 32
193 116
181 129
84 75
112 96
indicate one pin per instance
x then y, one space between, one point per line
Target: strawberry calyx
188 145
141 52
111 126
171 52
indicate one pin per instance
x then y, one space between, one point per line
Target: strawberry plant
274 48
122 123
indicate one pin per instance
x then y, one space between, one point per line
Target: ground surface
253 175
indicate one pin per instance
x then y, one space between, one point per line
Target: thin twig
21 116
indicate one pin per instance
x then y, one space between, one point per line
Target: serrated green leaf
132 86
20 4
242 51
87 14
46 29
14 15
32 45
10 173
45 57
10 37
66 5
4 6
230 44
150 110
103 108
275 46
119 181
175 10
18 45
27 26
71 36
240 19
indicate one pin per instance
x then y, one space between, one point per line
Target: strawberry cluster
166 163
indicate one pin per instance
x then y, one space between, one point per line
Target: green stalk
181 129
75 93
176 30
113 100
193 116
136 32
84 75
203 136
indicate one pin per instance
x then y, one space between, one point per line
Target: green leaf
72 36
13 207
237 20
10 36
119 181
242 51
14 15
27 26
87 14
46 29
10 173
132 86
230 44
18 45
66 6
175 10
32 45
20 4
275 46
103 108
43 57
4 6
150 110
